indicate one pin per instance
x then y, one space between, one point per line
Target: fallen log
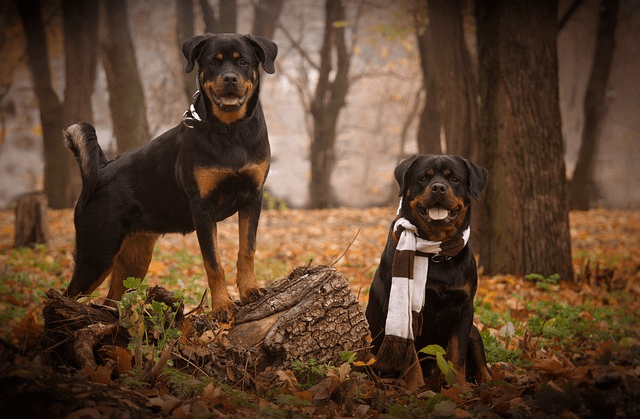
310 314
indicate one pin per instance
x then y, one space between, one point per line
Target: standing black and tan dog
210 166
436 192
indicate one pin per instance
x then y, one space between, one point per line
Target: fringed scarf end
396 354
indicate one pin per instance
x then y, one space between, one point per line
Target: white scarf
408 283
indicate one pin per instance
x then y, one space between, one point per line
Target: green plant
309 373
560 322
149 323
446 367
543 282
436 406
485 313
496 351
183 385
272 203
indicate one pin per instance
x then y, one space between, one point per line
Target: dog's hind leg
132 261
94 257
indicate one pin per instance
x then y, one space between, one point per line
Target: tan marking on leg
221 304
132 261
453 353
246 279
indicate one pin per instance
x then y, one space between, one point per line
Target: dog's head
228 70
436 193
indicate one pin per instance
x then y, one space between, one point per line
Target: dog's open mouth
438 213
229 102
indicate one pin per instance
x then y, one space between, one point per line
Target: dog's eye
454 179
423 179
243 62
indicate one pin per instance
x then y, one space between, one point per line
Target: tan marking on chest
209 178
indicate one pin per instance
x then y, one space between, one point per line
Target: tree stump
310 314
31 219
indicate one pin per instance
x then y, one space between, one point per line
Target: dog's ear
191 49
477 178
265 50
401 172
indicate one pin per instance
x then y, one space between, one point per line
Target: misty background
376 128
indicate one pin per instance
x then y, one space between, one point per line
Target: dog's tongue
438 213
230 100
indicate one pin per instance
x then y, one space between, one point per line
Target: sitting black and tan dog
422 292
210 166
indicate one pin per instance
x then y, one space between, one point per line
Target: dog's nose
439 188
229 78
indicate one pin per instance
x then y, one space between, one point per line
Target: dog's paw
225 313
252 295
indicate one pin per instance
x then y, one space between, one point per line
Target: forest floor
568 349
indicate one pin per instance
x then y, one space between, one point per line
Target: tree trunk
184 31
81 59
524 224
228 16
61 175
226 20
328 101
312 313
429 125
456 87
582 186
266 17
31 223
126 98
56 169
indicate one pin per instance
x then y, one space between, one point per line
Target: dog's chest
211 179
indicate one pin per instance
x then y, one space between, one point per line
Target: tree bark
226 20
266 17
582 186
429 125
456 87
81 59
184 31
328 101
56 172
524 224
126 97
61 175
31 222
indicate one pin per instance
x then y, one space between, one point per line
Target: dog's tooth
438 213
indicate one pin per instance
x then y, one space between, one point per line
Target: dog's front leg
221 304
458 344
248 218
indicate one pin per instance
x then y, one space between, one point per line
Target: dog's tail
82 140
